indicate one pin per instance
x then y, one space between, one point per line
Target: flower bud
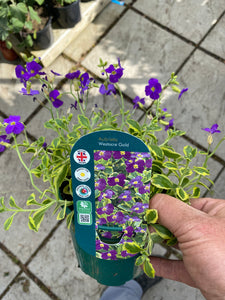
210 139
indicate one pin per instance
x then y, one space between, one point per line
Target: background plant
173 173
16 16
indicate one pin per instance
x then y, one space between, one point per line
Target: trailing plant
124 181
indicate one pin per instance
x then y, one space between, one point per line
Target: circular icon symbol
82 174
81 157
83 191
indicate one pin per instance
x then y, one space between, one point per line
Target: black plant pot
44 37
68 16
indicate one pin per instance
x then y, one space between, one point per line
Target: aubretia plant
125 181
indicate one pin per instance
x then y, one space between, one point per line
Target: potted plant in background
66 12
28 20
172 172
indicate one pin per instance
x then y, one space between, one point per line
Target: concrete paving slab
20 239
203 104
217 191
8 271
172 290
87 39
215 41
24 288
56 265
11 101
145 51
179 16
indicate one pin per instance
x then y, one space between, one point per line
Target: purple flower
118 218
181 93
53 97
125 196
124 253
140 229
74 105
108 209
100 184
119 179
20 73
144 189
14 125
106 194
115 74
128 231
213 129
148 163
109 255
54 73
29 93
153 89
3 139
100 245
132 219
170 125
120 154
99 167
101 221
136 182
136 166
33 68
107 89
44 145
85 81
141 154
102 154
137 100
138 207
73 75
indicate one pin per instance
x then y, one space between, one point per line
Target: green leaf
170 153
32 201
60 177
2 202
62 213
34 15
156 239
189 152
12 203
61 124
201 171
132 248
84 121
181 194
134 125
162 231
69 219
156 152
170 165
196 192
151 216
162 181
8 222
148 268
140 260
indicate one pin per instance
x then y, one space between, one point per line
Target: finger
171 269
213 207
173 212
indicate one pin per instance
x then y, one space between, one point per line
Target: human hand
200 231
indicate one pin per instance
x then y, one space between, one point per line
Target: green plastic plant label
111 174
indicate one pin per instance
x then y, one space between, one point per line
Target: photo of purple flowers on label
122 189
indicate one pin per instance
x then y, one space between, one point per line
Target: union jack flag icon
81 156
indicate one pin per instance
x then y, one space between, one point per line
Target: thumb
173 212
